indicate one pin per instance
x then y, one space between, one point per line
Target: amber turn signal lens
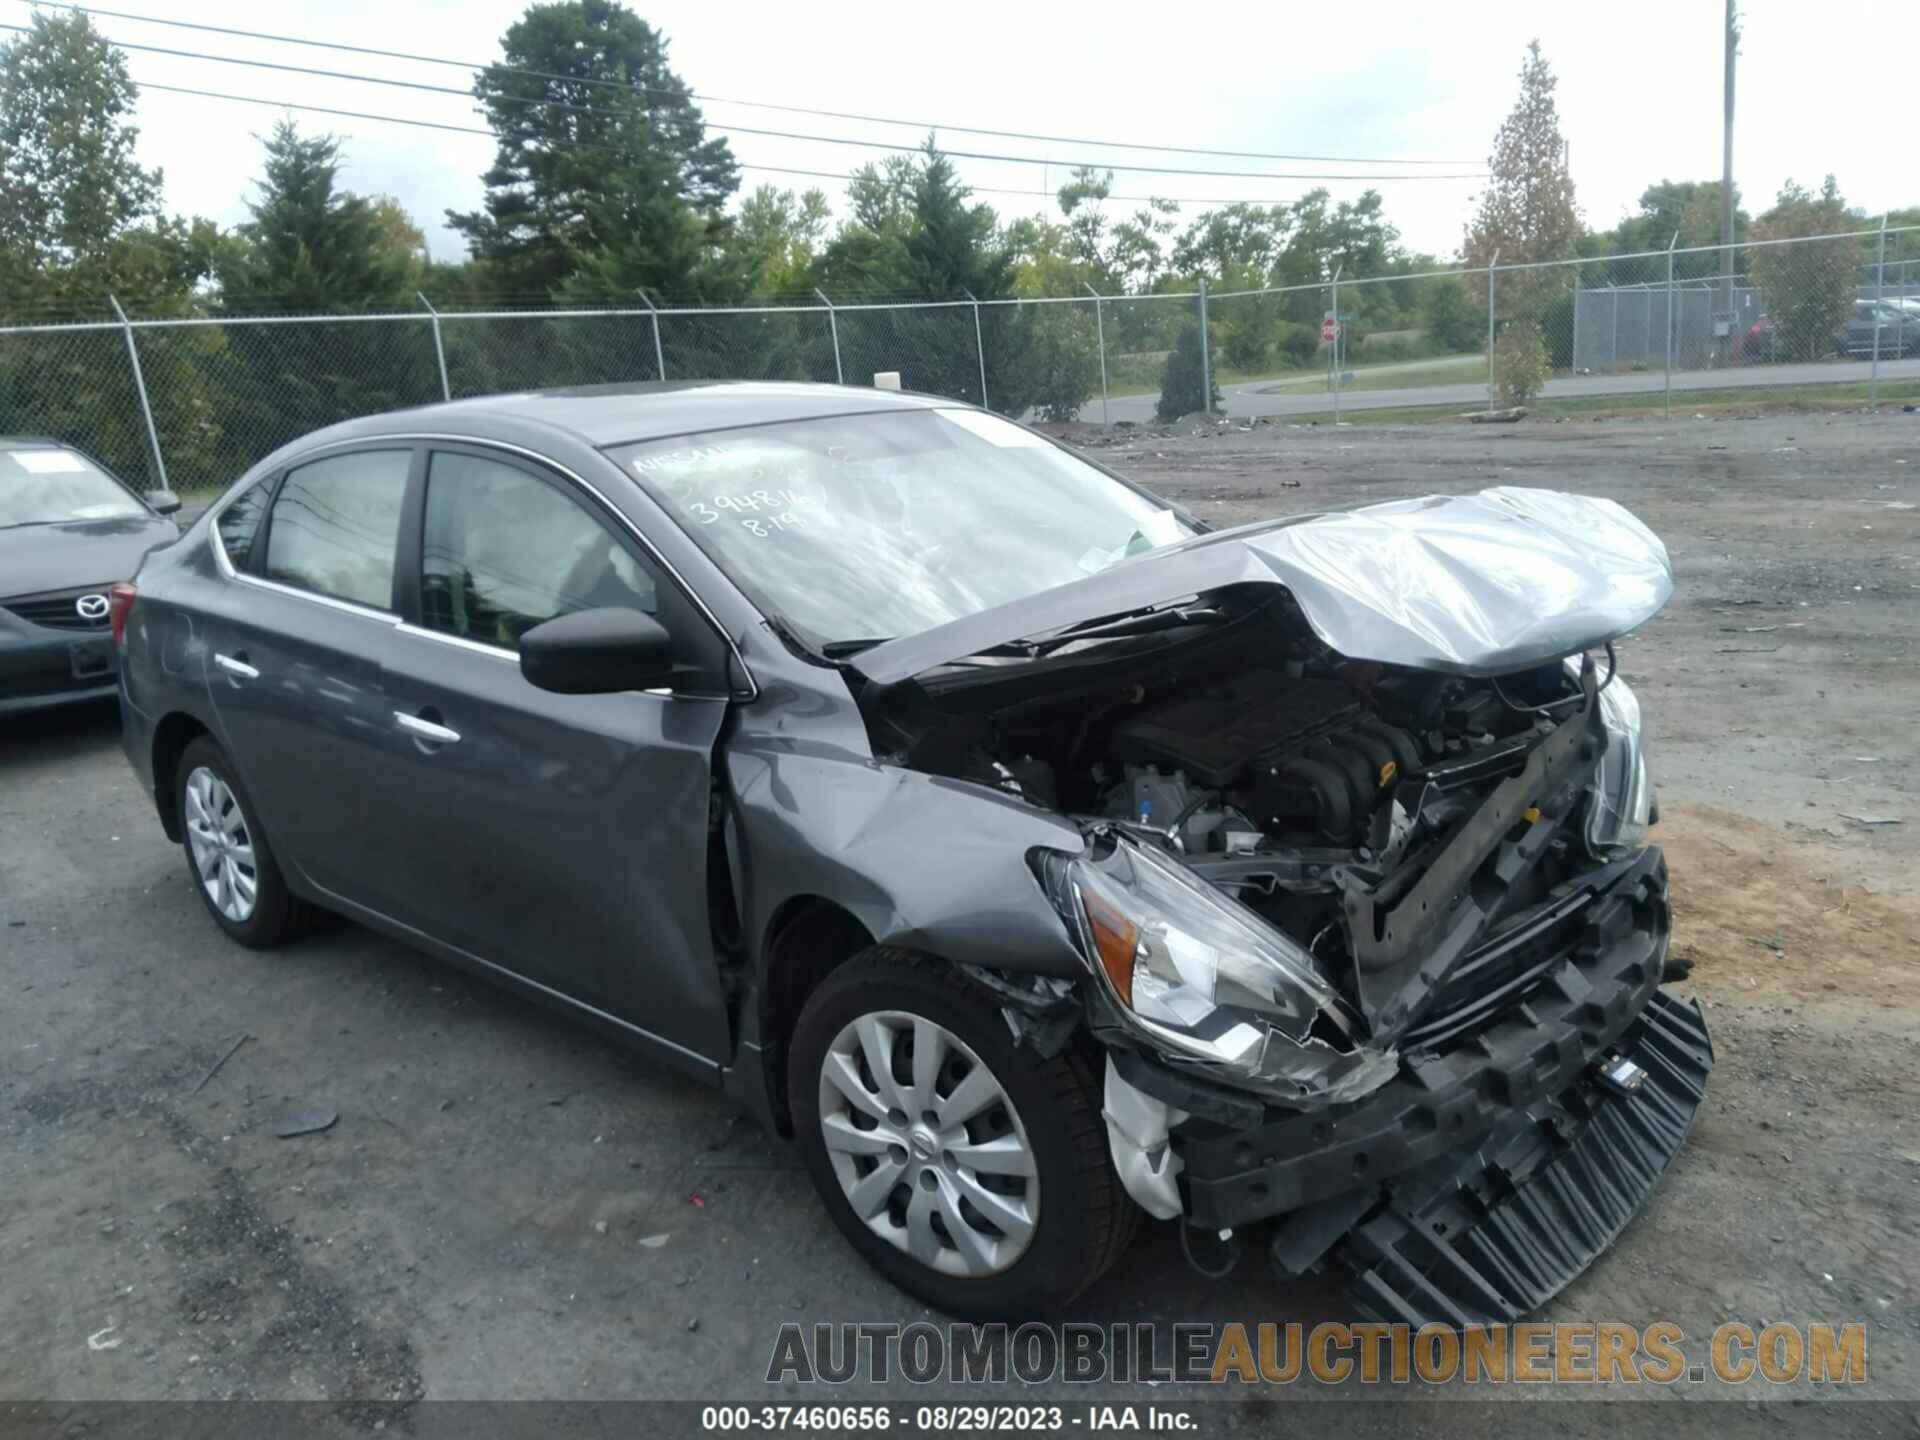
1117 939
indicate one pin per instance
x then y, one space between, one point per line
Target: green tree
1450 317
1688 208
1182 390
775 238
1527 212
625 189
68 179
1807 289
311 245
1118 254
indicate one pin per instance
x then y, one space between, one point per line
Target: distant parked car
69 529
1897 330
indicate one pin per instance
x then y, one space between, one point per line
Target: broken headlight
1621 796
1211 984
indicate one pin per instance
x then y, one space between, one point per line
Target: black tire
276 916
1085 1219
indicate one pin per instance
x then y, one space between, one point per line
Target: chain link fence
194 402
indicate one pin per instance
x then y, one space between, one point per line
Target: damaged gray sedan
1032 855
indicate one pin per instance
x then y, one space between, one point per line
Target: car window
335 526
240 521
502 550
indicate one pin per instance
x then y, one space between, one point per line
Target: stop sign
1328 329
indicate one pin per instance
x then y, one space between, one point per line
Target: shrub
1300 344
1519 364
1246 347
1181 389
1558 326
1456 324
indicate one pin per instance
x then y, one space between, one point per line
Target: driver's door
559 837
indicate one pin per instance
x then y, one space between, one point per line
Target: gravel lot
484 1221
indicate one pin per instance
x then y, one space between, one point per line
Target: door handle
235 666
425 729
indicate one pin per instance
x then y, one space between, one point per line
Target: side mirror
164 501
597 652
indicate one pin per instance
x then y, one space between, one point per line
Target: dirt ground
511 1208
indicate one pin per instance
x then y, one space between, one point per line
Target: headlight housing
1621 796
1211 985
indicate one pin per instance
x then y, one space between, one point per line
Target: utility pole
1726 189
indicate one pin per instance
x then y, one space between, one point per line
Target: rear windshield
860 528
46 485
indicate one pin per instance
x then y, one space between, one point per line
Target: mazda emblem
92 607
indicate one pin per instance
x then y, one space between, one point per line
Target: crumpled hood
1475 585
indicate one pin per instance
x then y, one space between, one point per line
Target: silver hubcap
927 1146
222 847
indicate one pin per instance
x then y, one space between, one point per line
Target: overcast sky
1640 93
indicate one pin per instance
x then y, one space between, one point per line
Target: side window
502 551
240 522
336 526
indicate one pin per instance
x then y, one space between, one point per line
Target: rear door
561 837
295 668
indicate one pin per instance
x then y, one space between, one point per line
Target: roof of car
31 442
621 414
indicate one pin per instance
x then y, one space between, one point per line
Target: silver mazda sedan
1033 856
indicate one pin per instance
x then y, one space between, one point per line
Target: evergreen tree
1182 391
1527 212
312 246
604 173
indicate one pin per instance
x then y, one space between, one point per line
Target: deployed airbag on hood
1471 584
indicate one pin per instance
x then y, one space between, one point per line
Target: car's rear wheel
227 851
966 1169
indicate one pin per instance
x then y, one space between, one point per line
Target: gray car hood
1477 584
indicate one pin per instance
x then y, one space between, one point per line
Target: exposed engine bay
1224 729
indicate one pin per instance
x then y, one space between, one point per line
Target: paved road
1271 397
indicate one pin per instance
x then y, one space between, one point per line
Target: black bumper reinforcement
1492 1239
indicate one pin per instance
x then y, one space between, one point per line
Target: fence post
1879 301
1100 338
1573 351
1206 356
1492 389
439 350
659 355
140 389
979 347
1666 403
1613 343
1337 337
833 324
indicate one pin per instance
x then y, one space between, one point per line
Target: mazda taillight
120 600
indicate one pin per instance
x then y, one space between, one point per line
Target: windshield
869 527
45 486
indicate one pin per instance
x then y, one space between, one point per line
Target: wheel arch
171 737
807 939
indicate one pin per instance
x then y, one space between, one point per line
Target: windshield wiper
840 649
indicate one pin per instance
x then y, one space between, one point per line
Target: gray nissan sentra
1035 857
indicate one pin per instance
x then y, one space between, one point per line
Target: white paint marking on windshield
993 429
49 462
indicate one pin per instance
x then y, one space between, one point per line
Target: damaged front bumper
1497 1163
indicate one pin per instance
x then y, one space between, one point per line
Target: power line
722 100
769 169
779 134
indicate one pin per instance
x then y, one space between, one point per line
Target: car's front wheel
968 1170
227 851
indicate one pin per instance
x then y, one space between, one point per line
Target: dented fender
922 861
